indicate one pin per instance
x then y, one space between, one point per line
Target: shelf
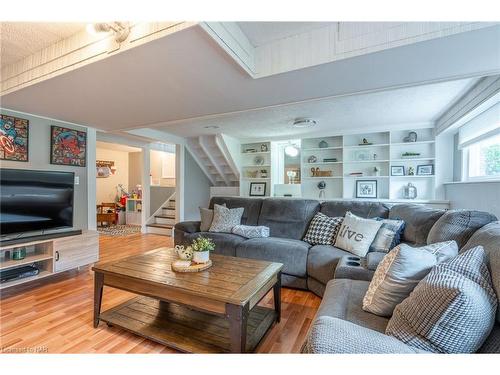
415 176
255 153
368 146
412 159
254 178
367 161
41 275
323 163
256 166
321 178
412 143
323 148
29 259
366 176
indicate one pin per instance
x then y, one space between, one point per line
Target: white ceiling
116 147
411 105
187 76
259 33
21 39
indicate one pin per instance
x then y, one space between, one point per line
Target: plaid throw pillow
323 229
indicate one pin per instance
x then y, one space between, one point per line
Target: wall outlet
77 180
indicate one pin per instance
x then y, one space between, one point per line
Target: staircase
163 220
214 158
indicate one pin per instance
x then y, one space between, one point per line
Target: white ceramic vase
201 256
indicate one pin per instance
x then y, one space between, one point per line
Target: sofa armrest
373 259
332 335
188 226
353 268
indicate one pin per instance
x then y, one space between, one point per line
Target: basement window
482 159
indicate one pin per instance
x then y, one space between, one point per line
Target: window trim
465 162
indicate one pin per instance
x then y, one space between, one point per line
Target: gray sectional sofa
341 325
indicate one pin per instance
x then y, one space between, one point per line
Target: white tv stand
51 255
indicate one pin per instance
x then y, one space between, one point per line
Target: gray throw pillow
452 310
225 218
399 273
207 216
388 236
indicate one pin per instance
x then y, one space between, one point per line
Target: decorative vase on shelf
410 191
323 144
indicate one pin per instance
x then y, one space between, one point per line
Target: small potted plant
201 249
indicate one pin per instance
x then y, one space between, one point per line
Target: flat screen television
35 200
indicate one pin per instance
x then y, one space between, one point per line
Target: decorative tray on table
189 266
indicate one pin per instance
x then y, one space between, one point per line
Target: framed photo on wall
68 146
425 170
257 189
397 170
14 138
366 189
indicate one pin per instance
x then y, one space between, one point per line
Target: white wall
135 169
106 188
157 160
483 196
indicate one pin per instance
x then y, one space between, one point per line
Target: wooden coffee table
213 311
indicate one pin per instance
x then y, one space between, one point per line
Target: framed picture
397 170
14 137
68 146
257 189
366 189
425 170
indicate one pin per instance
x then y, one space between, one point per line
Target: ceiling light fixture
303 123
292 151
120 29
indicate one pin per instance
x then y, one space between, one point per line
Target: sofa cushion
322 260
399 273
251 231
207 216
225 243
367 210
458 225
388 236
489 238
418 219
251 207
343 299
287 218
462 312
292 253
356 234
323 229
225 219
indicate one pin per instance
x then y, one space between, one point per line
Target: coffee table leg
238 319
98 286
277 298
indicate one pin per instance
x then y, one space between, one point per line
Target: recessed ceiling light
211 127
303 123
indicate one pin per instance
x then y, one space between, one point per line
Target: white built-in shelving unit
383 150
252 170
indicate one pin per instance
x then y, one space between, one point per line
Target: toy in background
13 138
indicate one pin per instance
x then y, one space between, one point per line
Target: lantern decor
410 191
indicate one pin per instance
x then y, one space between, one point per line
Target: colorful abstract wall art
68 146
13 138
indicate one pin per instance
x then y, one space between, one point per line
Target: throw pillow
323 229
250 231
225 218
207 216
356 234
388 236
452 310
399 273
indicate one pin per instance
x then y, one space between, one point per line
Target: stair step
165 216
165 226
169 208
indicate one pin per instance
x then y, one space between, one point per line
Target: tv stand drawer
76 251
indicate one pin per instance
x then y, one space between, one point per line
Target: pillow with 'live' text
356 234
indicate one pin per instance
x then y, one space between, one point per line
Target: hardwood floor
54 315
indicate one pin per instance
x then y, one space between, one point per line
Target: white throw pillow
356 234
225 219
399 273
